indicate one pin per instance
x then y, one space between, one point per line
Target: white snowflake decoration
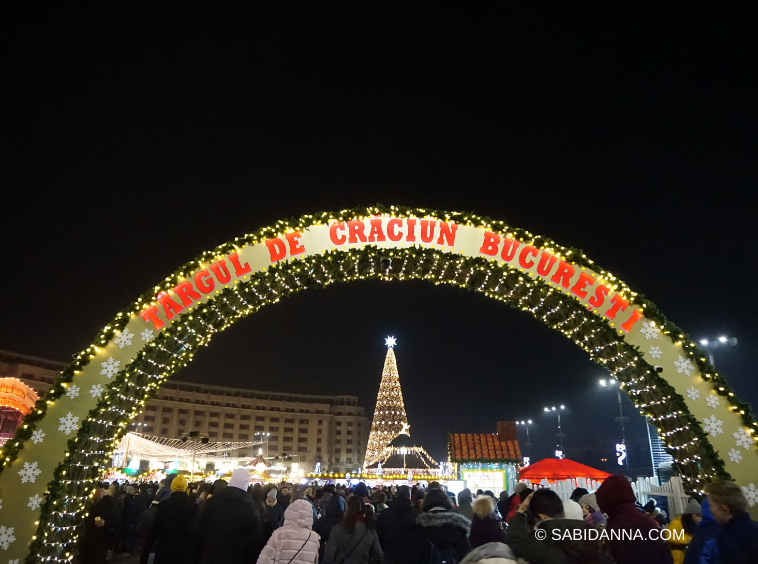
38 436
72 391
6 537
655 352
124 339
147 335
649 330
735 455
713 401
96 391
1 503
29 472
744 439
693 393
712 426
684 365
69 423
14 561
751 493
109 368
34 502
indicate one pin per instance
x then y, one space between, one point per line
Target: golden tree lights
389 415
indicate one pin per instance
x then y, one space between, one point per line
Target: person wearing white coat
294 542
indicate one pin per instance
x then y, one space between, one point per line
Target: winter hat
179 484
578 493
272 493
240 479
590 500
483 506
520 487
572 510
360 489
693 508
130 489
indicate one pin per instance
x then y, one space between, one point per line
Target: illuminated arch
58 452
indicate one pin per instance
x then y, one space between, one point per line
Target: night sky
132 141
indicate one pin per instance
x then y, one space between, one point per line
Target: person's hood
299 513
706 512
335 506
465 496
240 479
504 496
442 518
590 500
490 552
576 550
614 493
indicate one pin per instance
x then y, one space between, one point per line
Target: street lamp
263 438
620 419
710 344
526 424
560 433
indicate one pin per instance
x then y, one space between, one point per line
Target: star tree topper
390 341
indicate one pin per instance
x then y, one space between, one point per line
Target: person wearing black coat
396 527
442 531
228 528
100 528
485 526
334 510
169 532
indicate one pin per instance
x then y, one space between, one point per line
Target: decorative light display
389 416
159 333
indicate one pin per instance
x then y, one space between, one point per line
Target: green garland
175 346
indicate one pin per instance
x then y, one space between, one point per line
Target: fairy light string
71 490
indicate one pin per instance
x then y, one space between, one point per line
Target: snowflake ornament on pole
744 439
109 368
713 401
693 393
6 537
684 365
34 502
29 472
751 493
69 423
649 330
72 391
124 339
713 426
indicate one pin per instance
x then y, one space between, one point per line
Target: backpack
442 555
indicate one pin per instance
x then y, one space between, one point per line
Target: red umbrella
560 469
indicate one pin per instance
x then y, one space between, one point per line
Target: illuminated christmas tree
389 415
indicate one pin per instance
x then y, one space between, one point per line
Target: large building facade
307 429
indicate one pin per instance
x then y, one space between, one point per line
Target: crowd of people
233 522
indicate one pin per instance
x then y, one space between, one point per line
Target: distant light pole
710 344
560 433
526 424
620 419
263 437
